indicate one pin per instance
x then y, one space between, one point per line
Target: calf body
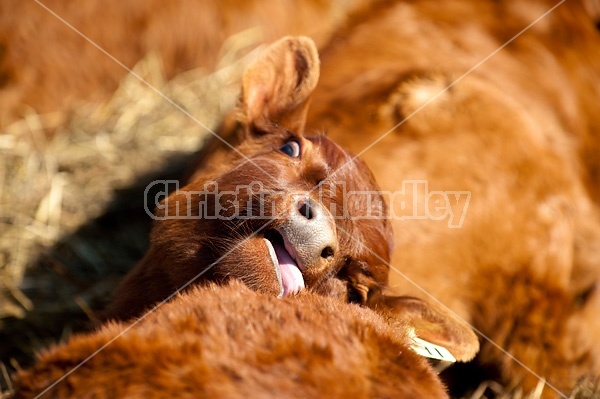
493 206
231 342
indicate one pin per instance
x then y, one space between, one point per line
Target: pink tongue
291 277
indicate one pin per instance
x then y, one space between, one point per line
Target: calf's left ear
430 323
277 86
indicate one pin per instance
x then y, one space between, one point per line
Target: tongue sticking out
291 277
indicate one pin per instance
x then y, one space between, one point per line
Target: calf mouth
285 263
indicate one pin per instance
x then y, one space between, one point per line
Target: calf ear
277 86
430 323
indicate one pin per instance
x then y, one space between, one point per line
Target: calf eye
291 148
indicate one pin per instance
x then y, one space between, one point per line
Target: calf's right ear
430 323
277 86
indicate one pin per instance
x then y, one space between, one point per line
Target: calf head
272 210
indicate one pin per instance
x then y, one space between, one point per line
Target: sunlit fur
231 342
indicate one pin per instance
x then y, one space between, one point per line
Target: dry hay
71 196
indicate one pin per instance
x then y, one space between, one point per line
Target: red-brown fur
47 66
231 342
519 133
203 249
524 266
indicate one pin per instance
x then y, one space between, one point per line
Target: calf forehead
330 152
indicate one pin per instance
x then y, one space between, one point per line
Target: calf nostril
327 253
306 210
